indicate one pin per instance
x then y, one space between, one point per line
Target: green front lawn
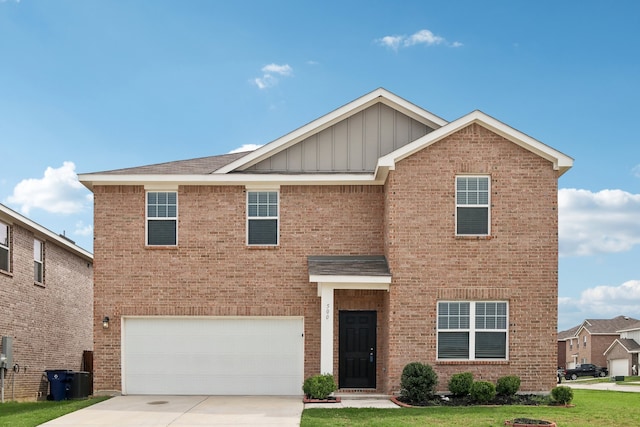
595 408
31 414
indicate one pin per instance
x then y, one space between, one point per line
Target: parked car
586 370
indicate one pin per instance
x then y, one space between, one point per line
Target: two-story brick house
46 304
588 342
376 235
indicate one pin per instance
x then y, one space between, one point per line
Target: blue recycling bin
59 383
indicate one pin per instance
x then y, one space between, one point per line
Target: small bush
460 384
482 392
319 386
508 386
417 383
562 394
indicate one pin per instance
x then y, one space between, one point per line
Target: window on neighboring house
162 218
4 247
472 205
472 330
262 218
585 341
38 261
570 344
584 360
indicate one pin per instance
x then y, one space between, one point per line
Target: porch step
359 395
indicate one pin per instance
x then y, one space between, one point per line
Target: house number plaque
328 311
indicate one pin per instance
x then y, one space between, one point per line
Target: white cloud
425 37
636 171
283 70
603 222
58 191
601 302
268 79
391 41
245 147
82 229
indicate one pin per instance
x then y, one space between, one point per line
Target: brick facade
50 324
410 220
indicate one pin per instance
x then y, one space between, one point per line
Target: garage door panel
213 356
619 367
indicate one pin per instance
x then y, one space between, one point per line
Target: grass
595 408
31 414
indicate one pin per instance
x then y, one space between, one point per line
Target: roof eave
174 181
560 161
42 231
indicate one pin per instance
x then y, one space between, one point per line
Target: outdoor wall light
105 322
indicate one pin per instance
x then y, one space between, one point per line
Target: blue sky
93 85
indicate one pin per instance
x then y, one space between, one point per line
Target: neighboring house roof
631 346
11 216
569 333
606 326
632 327
240 168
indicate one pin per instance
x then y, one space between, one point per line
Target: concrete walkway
613 386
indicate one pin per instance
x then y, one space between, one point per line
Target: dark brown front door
357 349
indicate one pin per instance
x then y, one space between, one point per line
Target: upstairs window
162 218
262 218
472 206
471 330
38 261
4 247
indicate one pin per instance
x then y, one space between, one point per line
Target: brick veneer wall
50 324
595 348
517 263
212 271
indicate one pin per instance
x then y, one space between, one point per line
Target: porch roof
354 268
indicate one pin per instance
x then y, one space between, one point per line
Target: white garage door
212 356
619 367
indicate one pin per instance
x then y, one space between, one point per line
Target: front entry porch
357 357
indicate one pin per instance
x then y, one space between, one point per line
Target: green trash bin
80 385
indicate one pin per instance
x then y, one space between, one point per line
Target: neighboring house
46 300
622 354
587 342
566 342
374 236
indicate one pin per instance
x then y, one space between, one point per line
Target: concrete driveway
184 411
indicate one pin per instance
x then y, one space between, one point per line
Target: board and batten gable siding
353 145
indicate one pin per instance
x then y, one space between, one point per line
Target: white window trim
39 261
488 205
147 218
7 247
472 332
277 217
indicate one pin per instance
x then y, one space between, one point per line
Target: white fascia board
560 161
16 218
613 344
292 138
262 180
366 286
348 279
